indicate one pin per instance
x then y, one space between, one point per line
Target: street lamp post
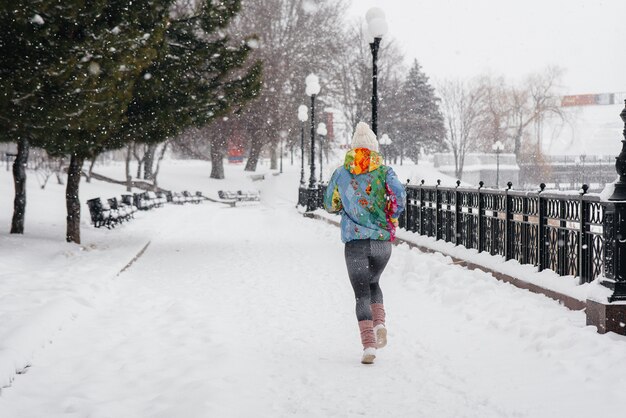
312 89
303 115
321 131
377 28
384 141
498 147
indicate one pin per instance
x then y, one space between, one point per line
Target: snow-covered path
248 312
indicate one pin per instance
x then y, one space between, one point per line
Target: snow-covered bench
227 195
109 213
192 198
178 198
240 196
99 217
154 199
249 196
119 210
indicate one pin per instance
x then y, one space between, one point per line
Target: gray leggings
366 259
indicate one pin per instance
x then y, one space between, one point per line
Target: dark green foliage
196 77
422 124
75 64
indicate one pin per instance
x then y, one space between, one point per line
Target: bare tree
496 112
461 103
534 100
296 37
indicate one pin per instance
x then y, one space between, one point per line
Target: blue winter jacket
368 195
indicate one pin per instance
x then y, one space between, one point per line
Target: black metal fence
560 232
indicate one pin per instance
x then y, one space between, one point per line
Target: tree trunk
59 172
129 179
217 159
273 156
158 167
139 160
456 164
253 158
93 162
72 201
148 162
19 179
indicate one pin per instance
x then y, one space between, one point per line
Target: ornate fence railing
560 232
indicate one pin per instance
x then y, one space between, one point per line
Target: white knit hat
364 137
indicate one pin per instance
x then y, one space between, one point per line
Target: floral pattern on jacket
367 194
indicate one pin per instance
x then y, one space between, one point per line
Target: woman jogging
369 197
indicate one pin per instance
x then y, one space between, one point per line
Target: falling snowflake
252 43
94 68
37 20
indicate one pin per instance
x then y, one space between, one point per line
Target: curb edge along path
22 367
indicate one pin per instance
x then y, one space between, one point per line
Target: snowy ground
247 311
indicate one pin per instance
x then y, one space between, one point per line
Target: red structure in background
592 99
235 148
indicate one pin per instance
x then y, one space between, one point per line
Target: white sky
464 38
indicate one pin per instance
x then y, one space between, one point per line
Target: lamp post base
312 202
619 192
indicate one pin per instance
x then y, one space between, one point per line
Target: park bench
240 196
110 212
120 210
127 199
148 200
162 196
99 216
227 195
249 196
155 200
178 198
116 210
141 202
193 198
